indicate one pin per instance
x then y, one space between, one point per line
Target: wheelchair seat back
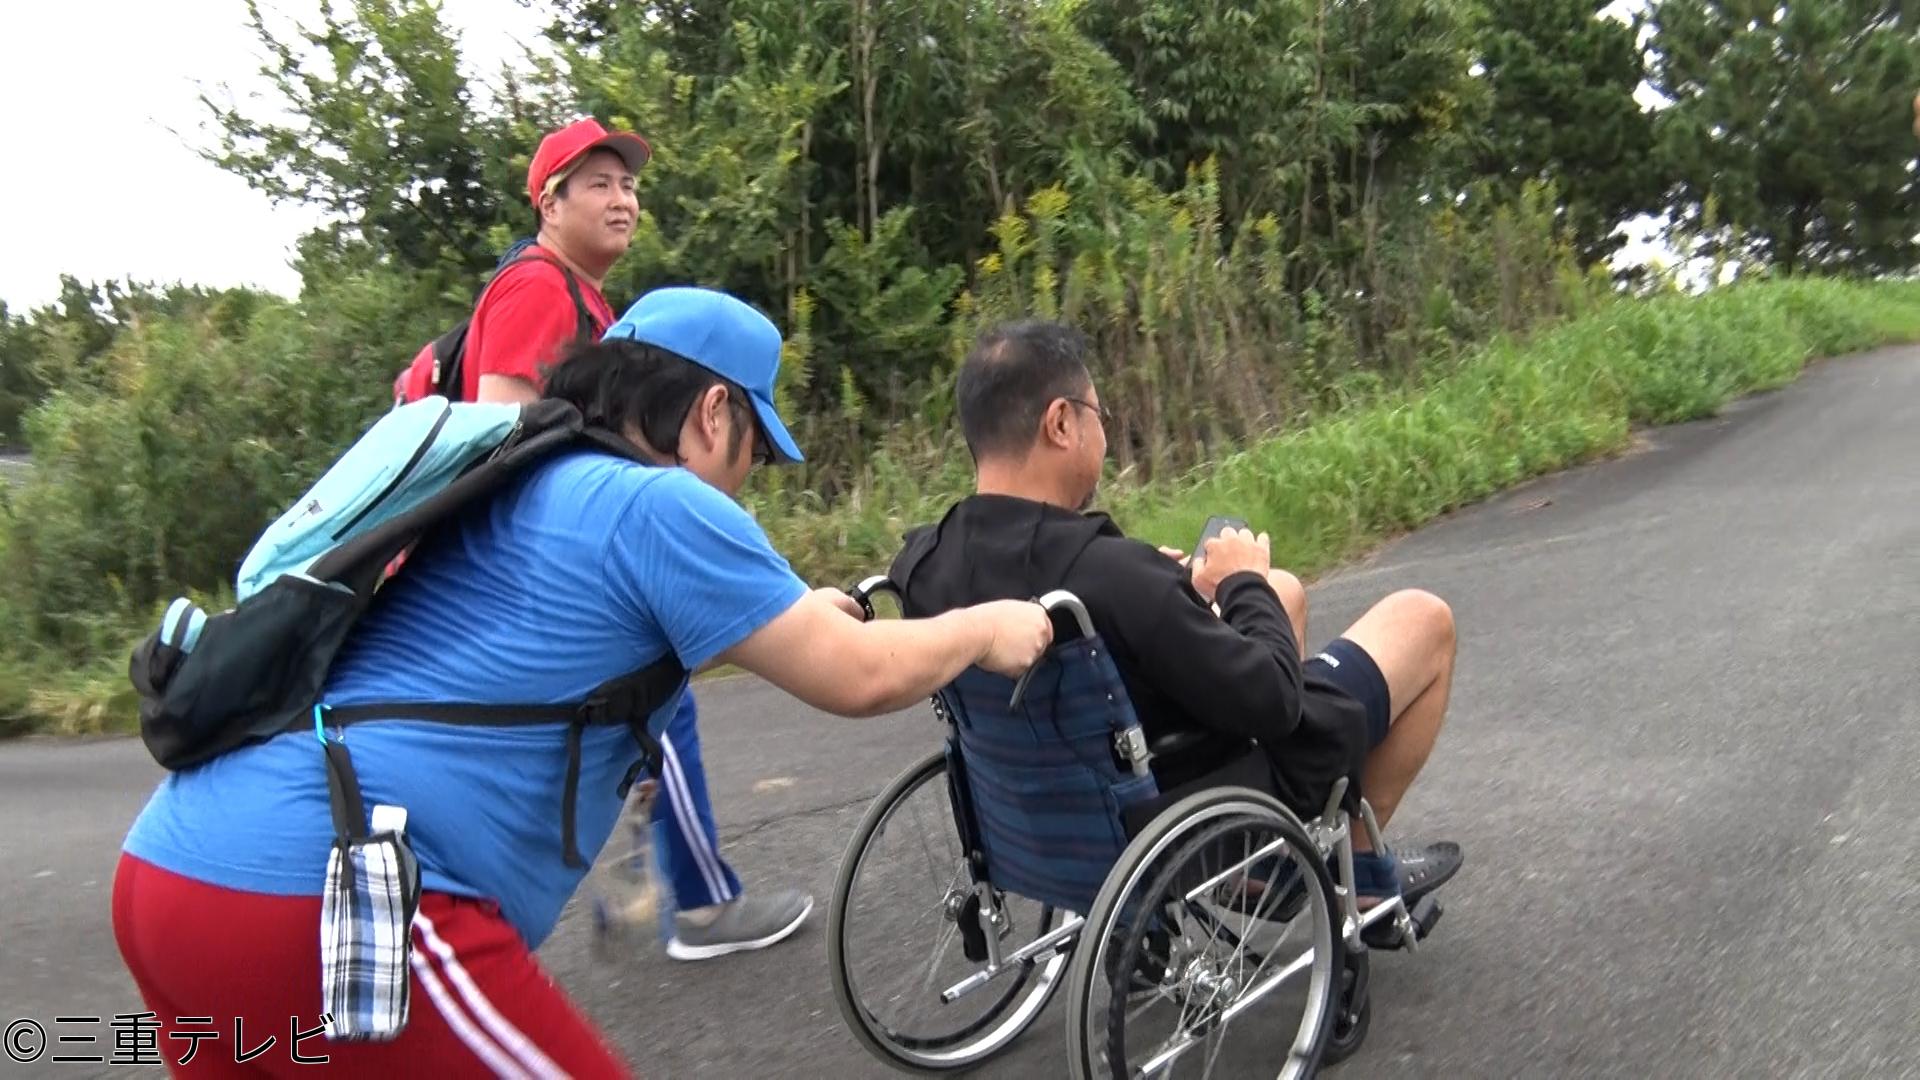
1041 786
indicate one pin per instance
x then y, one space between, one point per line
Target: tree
856 152
1792 119
61 345
858 168
1563 110
959 108
386 137
1317 111
1220 79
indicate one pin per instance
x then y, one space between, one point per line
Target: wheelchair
1034 851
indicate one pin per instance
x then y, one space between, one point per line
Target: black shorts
1345 714
1348 667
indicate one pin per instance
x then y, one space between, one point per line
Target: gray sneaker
750 922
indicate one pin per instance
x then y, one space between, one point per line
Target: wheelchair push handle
1057 600
1060 599
863 593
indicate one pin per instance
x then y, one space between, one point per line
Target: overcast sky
98 115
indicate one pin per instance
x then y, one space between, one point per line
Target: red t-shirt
524 321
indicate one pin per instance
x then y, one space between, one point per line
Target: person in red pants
579 570
482 1004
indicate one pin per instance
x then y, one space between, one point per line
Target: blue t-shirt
587 569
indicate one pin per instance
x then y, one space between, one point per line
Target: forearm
902 661
834 662
1241 669
1270 681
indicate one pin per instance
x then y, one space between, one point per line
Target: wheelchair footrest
1385 934
1426 915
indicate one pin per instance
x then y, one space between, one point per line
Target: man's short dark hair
1013 373
621 383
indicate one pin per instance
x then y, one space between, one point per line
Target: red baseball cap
560 150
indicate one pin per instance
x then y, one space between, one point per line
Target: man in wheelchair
1208 648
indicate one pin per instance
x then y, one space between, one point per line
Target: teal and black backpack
211 683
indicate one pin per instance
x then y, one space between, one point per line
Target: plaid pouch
366 915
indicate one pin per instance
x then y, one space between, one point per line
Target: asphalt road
1682 759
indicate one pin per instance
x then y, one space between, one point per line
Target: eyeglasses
1099 410
762 449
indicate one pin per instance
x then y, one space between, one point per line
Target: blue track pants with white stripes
683 828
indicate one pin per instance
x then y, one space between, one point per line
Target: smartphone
1215 526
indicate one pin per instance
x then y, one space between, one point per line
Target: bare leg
1293 597
1410 635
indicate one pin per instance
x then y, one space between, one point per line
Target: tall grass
1208 335
1513 410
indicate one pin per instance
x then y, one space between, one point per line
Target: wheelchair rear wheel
904 919
1217 920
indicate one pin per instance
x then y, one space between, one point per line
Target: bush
156 474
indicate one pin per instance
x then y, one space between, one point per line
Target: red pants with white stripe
480 1003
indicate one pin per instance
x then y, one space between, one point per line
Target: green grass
1326 491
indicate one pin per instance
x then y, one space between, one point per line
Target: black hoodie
1237 676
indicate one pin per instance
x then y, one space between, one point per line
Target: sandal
1427 868
1410 875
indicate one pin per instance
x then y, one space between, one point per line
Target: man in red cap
581 185
545 296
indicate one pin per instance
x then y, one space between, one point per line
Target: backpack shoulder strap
631 699
544 428
915 547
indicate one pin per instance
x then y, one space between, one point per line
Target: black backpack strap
628 700
448 713
619 446
449 361
545 428
915 547
583 328
343 795
631 699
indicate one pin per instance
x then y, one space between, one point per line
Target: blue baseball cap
721 333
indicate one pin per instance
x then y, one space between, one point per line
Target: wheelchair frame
1330 846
